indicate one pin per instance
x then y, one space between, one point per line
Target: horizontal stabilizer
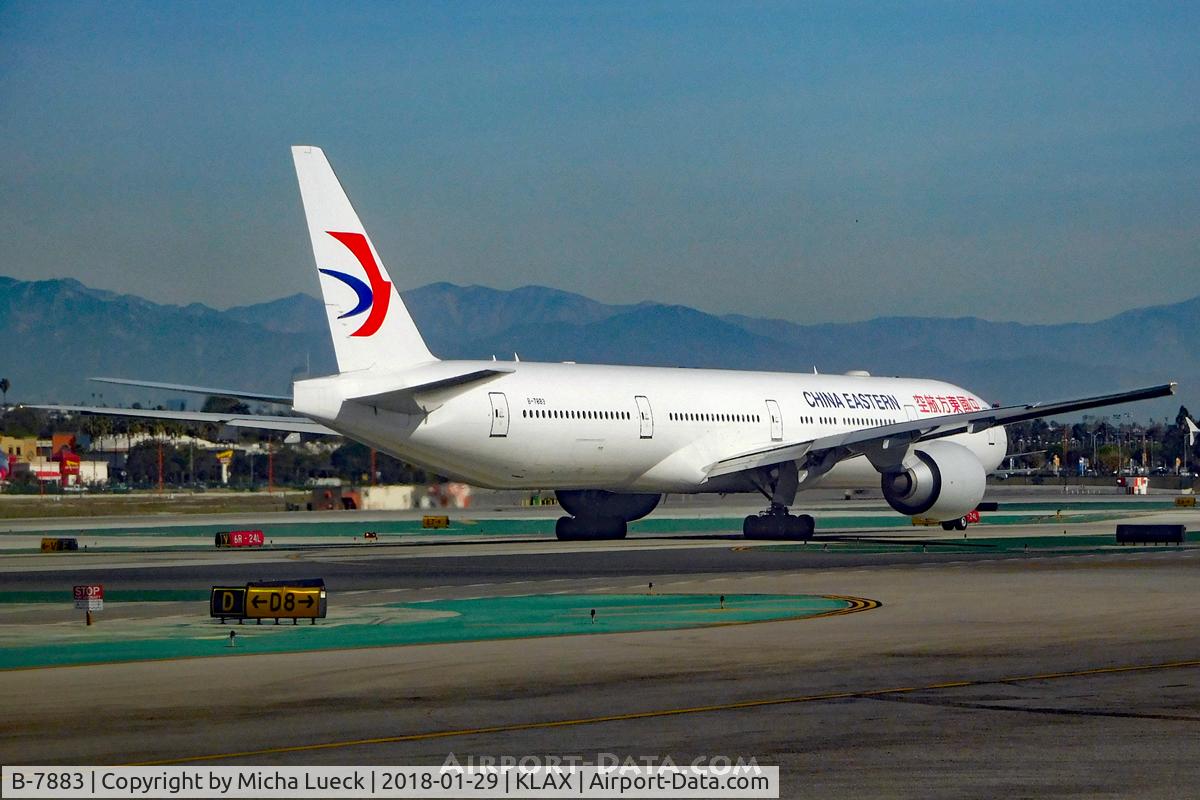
405 400
258 397
262 422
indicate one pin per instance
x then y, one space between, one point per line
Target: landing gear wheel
784 527
584 529
959 524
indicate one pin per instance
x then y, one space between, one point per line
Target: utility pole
1065 431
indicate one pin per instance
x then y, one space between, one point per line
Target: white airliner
611 440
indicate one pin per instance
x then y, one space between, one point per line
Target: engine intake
944 482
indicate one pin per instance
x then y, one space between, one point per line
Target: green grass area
545 526
426 623
14 506
350 529
1099 505
111 596
347 529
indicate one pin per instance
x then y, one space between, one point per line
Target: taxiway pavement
1069 673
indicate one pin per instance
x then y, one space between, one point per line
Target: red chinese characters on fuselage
946 404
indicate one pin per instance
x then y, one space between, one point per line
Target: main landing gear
777 523
585 529
779 485
959 524
597 514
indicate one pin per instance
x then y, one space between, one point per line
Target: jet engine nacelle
944 482
594 503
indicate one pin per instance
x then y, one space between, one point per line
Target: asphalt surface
990 673
387 567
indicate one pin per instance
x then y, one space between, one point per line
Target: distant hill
58 332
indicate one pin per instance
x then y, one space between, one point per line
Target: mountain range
56 333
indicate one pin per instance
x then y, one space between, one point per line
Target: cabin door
499 413
645 418
776 421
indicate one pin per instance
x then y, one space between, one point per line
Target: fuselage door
499 413
910 412
776 421
645 418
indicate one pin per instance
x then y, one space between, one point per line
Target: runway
1062 671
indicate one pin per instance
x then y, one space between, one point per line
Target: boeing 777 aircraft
611 440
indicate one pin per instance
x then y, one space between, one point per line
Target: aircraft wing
261 421
261 397
889 443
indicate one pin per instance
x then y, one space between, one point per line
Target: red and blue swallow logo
374 296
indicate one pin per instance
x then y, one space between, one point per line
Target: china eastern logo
374 295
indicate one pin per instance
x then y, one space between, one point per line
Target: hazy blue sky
809 161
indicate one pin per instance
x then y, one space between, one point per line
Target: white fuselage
628 429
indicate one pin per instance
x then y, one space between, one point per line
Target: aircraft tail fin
368 320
